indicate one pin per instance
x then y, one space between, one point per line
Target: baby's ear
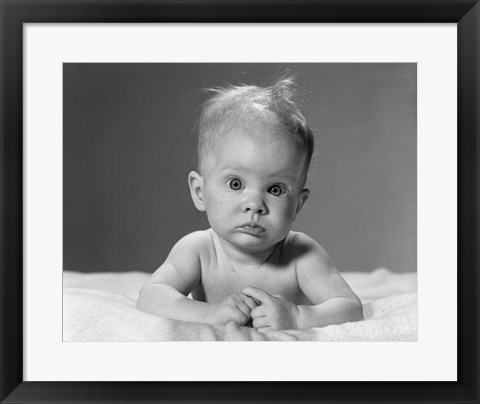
304 194
195 181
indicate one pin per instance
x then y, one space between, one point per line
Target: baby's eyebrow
285 174
281 175
232 167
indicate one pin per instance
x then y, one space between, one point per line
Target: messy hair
234 106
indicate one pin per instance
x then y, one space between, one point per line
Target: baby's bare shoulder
306 251
193 244
317 276
197 238
303 244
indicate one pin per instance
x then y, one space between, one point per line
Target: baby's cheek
285 219
289 211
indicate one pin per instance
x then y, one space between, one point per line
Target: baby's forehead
243 150
249 133
263 129
256 143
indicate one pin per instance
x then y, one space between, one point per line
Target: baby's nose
255 204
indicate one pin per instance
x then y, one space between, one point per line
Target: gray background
129 144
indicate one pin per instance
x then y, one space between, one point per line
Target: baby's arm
333 302
166 293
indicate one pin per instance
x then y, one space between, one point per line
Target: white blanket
101 307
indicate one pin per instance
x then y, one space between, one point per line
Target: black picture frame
14 13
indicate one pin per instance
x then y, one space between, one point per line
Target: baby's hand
236 308
274 312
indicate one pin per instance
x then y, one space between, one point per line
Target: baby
254 152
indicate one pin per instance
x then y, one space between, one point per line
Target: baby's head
254 152
244 106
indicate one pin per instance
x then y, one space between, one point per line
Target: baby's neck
245 257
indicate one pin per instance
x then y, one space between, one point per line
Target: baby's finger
257 294
244 308
250 302
240 318
259 311
260 322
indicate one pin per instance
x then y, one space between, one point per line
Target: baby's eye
235 184
277 190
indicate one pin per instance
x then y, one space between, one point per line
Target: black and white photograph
240 202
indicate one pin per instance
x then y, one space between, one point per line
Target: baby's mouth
252 228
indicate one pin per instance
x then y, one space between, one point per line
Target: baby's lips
252 224
252 229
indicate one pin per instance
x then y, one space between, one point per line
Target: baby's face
252 189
